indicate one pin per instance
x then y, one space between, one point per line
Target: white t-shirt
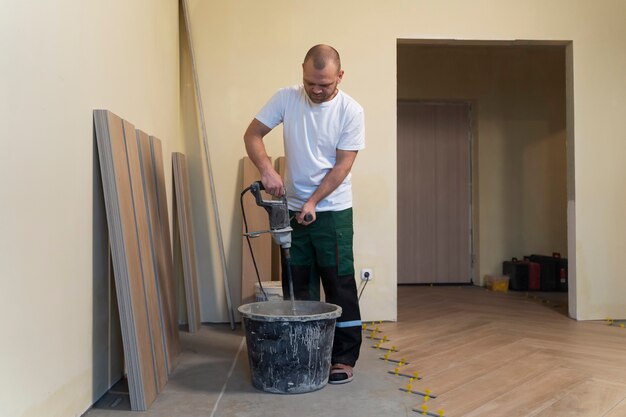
312 134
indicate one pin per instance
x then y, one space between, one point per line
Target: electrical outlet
367 274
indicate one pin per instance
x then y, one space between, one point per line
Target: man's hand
253 138
307 209
273 183
331 181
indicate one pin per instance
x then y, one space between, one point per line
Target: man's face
321 85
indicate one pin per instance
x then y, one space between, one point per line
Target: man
323 129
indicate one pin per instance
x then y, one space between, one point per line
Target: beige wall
60 60
248 49
245 52
518 110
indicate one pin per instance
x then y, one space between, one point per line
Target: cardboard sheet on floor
184 225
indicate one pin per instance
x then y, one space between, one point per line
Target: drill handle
258 185
269 205
256 189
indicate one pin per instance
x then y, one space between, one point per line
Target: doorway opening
517 102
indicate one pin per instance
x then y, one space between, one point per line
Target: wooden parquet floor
481 353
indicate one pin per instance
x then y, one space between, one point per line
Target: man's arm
331 181
255 148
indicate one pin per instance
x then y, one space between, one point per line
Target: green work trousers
323 250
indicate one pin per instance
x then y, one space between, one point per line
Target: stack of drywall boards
185 237
151 158
131 163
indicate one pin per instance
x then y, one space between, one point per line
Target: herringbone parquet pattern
480 353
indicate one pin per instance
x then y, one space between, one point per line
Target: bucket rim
246 311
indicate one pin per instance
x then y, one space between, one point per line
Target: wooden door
434 193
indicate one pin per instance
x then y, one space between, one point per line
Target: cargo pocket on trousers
345 256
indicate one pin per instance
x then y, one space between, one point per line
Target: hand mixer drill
280 228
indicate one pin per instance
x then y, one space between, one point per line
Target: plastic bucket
273 290
289 354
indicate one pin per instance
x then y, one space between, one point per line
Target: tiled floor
195 388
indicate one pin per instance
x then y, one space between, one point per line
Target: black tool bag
518 274
553 271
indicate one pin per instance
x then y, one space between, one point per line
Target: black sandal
340 374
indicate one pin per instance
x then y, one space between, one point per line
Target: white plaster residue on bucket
289 354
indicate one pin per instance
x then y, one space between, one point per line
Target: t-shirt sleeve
273 113
353 136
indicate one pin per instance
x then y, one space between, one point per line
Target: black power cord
245 222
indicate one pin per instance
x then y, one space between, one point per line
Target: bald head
322 55
321 73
